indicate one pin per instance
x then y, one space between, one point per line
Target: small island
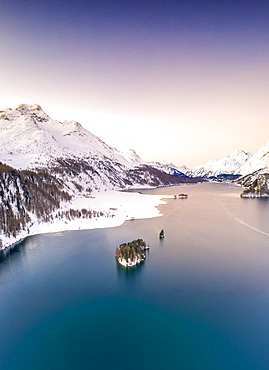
131 253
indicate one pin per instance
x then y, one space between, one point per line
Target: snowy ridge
29 138
230 164
170 169
131 156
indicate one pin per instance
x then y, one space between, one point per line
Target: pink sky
176 84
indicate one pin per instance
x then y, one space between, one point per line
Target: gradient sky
178 81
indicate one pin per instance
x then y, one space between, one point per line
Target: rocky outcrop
258 188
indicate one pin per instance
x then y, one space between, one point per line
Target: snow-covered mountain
31 140
228 165
258 162
131 156
255 174
170 169
238 162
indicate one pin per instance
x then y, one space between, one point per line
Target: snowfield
116 206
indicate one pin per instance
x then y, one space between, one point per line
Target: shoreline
116 207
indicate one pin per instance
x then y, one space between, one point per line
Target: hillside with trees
24 194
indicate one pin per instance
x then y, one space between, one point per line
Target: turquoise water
199 301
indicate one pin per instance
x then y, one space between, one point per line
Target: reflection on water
200 300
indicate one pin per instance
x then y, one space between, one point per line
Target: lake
199 301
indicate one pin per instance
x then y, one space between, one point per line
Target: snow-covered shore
136 261
116 206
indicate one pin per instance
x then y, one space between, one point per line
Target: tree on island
131 253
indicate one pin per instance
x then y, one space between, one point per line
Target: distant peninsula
131 253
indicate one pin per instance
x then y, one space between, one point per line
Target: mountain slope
29 138
26 195
170 169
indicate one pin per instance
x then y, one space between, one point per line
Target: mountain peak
28 111
130 156
31 139
239 153
29 107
